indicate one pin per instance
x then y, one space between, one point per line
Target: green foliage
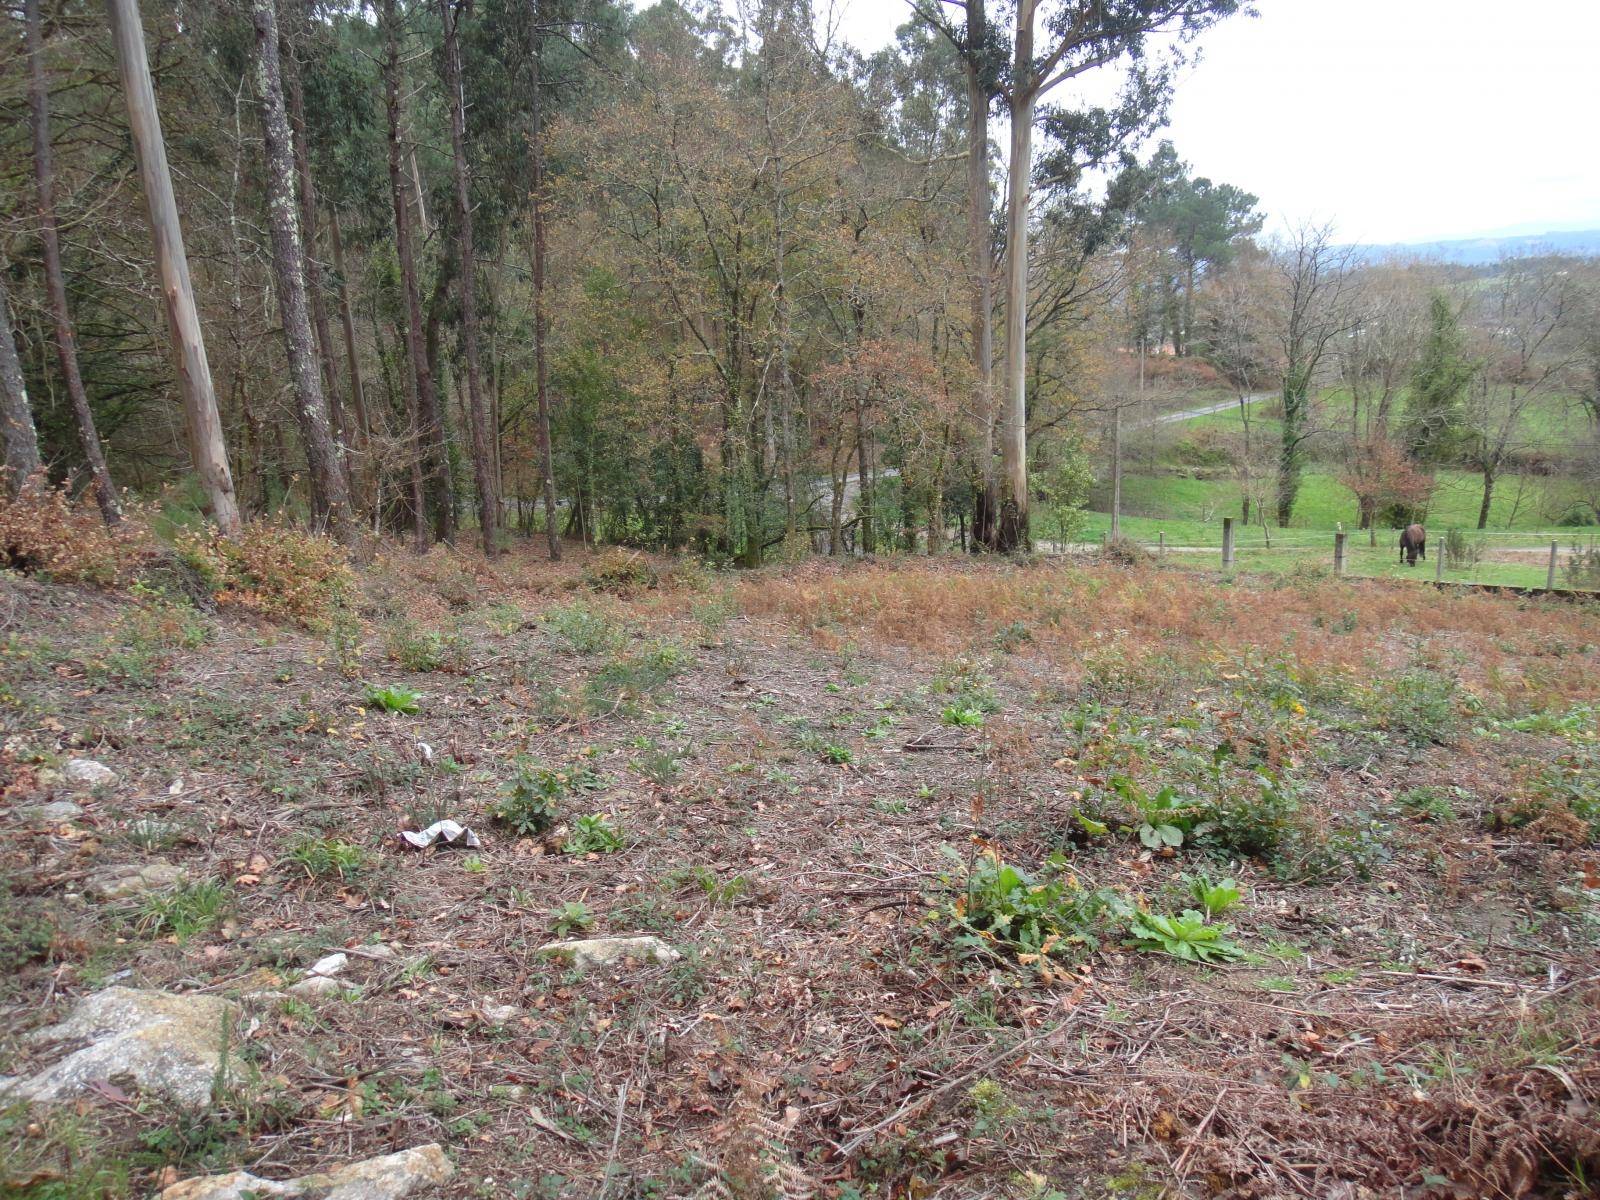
1461 550
1164 819
183 911
838 755
1433 420
719 891
1216 897
422 650
1187 936
1252 818
961 715
585 629
593 834
994 906
529 802
394 699
1423 706
322 858
572 916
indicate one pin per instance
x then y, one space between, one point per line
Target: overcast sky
1398 120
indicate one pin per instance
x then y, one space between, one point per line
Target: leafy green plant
1165 819
837 754
593 834
1423 706
323 857
1215 897
528 802
1187 936
584 629
961 714
717 890
574 915
996 906
394 699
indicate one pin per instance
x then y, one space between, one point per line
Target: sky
1395 120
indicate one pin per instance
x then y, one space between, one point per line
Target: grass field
1161 502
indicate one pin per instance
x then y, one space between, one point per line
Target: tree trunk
440 376
1289 455
547 481
55 282
207 448
980 268
421 408
313 267
1116 472
1013 533
347 321
1488 497
477 415
19 442
330 498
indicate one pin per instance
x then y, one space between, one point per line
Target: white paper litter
451 833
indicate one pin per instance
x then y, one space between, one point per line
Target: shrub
528 804
1462 550
584 629
1423 706
574 915
1252 822
272 569
422 650
44 531
1164 820
620 572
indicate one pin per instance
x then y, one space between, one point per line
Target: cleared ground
818 777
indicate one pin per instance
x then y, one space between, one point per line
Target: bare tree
483 457
330 496
1311 295
19 443
1521 323
105 493
207 447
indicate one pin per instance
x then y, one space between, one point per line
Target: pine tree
1433 418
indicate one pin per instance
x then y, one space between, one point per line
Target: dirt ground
810 769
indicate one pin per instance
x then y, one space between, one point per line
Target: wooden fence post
1161 543
1338 552
1550 579
1227 542
1439 554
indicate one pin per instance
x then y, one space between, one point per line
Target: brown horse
1413 545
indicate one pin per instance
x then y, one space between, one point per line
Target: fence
1521 566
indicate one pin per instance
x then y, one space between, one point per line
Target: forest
608 599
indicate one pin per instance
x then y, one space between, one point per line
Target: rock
167 1044
607 952
86 773
498 1014
57 812
331 964
316 985
133 879
385 1178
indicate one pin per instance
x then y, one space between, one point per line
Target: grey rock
387 1178
316 985
86 773
133 879
57 812
611 951
167 1044
498 1014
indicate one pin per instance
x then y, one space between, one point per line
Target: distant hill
1484 251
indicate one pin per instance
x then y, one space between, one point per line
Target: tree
1311 294
19 443
330 496
1236 333
538 202
1433 417
1081 36
483 458
55 282
208 449
1521 324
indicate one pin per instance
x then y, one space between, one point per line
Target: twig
616 1137
987 1064
1199 1132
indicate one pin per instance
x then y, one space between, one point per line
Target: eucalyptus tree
19 442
